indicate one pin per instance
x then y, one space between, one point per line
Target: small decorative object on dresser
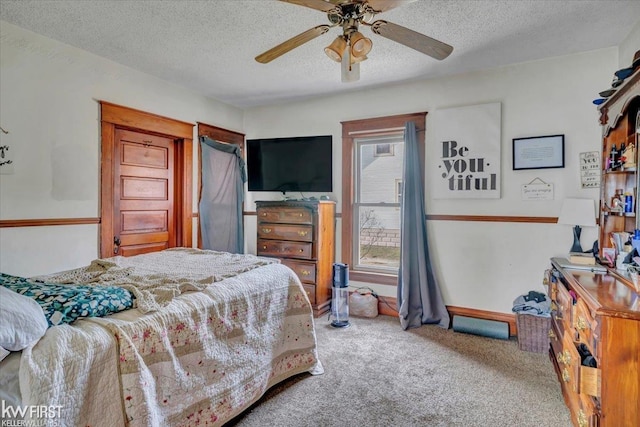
301 234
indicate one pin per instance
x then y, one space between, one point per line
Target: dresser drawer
556 320
564 309
306 271
569 362
310 290
302 233
285 215
590 379
279 248
555 335
580 379
587 414
584 325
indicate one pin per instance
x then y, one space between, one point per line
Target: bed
210 332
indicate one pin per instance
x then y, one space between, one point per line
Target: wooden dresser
599 315
302 235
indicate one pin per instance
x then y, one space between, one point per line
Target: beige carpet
376 374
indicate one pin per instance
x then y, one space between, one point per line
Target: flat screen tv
290 164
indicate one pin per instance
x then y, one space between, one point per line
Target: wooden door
143 193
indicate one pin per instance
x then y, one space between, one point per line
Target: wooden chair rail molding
8 223
494 218
470 218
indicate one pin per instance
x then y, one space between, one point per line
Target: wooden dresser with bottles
595 345
301 234
620 122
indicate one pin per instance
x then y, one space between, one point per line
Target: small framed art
538 152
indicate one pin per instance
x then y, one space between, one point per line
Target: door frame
112 116
224 136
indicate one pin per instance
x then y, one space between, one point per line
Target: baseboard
383 306
387 306
487 315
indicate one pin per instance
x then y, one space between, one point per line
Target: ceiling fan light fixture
360 45
358 59
336 49
349 70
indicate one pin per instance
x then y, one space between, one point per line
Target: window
399 191
384 150
373 152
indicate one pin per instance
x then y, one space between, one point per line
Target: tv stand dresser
595 320
302 235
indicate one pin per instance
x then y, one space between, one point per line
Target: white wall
629 47
48 103
49 95
483 265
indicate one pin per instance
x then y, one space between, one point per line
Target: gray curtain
220 209
419 298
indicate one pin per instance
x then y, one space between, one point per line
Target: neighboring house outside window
384 150
399 191
373 154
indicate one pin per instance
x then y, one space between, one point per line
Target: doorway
146 182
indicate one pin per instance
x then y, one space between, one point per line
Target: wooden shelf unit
619 120
301 234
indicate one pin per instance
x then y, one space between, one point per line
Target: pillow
65 303
22 320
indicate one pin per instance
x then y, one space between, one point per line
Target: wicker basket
533 332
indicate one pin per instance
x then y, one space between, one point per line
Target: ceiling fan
351 47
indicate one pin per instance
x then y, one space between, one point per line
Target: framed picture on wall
538 152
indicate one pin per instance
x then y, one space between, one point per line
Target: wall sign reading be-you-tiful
465 173
467 161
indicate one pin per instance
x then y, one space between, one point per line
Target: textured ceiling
209 46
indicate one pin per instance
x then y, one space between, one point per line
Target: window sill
379 278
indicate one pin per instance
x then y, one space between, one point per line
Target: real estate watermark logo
30 415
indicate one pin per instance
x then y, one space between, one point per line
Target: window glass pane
378 237
379 168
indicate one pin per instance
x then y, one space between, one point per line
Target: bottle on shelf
613 157
628 203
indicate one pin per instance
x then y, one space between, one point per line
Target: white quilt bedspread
201 360
75 369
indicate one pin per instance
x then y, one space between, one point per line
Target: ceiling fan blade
412 39
322 5
292 43
384 5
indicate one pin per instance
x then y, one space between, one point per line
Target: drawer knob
582 419
564 357
302 233
552 335
581 324
300 214
264 247
565 375
301 250
305 272
266 230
